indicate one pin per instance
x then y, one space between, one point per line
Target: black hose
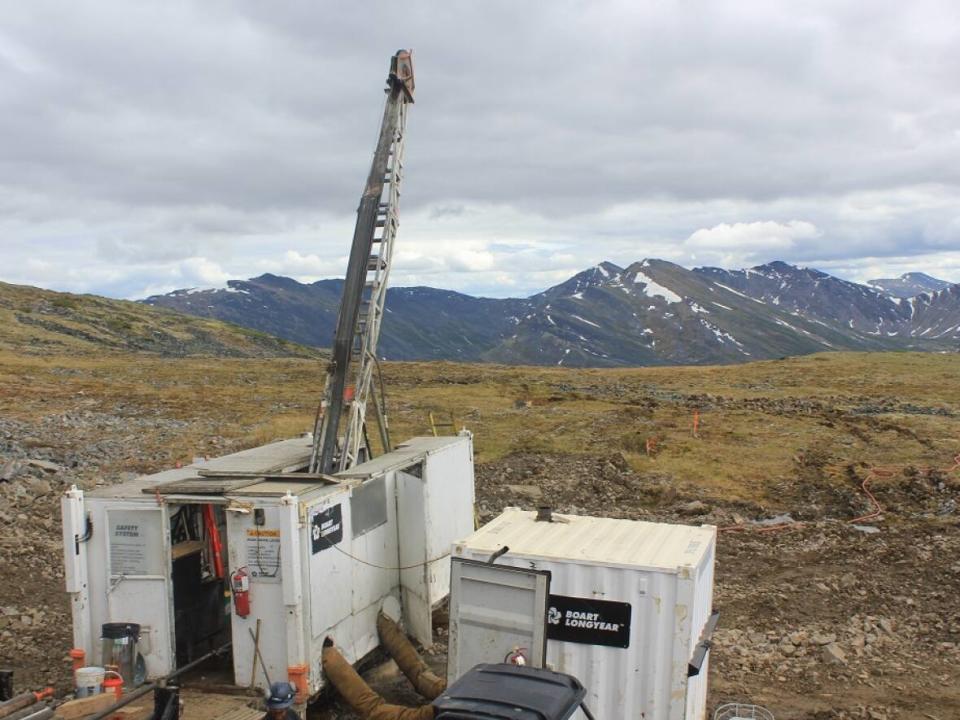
497 555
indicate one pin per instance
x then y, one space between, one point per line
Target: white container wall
321 555
628 603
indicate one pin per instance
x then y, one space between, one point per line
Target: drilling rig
364 294
318 544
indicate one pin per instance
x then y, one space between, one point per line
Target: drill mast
364 293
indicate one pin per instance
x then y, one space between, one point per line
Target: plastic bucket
114 684
88 680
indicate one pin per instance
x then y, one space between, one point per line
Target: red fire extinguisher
240 584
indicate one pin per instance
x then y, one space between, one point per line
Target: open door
139 581
414 553
497 614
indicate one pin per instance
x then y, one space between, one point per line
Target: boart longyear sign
589 621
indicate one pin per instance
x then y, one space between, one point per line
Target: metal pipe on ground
43 714
18 702
21 714
399 647
360 697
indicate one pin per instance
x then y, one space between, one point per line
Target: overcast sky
152 146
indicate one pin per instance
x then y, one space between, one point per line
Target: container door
497 614
412 534
139 588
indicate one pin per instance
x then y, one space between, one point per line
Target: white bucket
88 681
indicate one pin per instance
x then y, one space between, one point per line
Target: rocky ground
38 461
824 619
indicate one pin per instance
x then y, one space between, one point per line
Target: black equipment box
510 691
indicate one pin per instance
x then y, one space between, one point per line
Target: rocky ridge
649 313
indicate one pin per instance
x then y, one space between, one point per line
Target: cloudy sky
158 145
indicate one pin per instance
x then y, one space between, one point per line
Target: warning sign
326 529
593 622
263 554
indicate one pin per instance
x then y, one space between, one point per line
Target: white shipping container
321 555
629 602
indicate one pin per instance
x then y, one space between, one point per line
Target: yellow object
434 424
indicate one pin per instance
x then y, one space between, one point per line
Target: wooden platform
199 705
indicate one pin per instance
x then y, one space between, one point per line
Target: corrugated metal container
320 555
628 604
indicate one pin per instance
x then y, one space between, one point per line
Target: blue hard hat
281 696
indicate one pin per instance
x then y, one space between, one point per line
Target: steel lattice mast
364 291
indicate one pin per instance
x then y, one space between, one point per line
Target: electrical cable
386 567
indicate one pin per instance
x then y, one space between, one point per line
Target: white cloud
466 260
823 134
203 272
766 235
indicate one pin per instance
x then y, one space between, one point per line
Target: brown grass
742 451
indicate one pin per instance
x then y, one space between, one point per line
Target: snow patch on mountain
584 320
654 289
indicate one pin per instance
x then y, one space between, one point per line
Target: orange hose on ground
395 642
360 697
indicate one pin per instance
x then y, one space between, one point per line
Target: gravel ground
820 620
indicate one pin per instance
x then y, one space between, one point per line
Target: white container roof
281 456
660 547
404 455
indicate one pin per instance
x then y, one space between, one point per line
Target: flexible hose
364 701
397 645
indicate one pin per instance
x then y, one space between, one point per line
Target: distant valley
652 312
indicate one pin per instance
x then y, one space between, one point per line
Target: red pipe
213 532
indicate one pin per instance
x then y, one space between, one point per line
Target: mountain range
652 312
909 285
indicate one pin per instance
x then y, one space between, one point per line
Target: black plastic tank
510 691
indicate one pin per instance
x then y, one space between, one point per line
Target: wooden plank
188 547
133 712
214 706
82 707
201 486
297 476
